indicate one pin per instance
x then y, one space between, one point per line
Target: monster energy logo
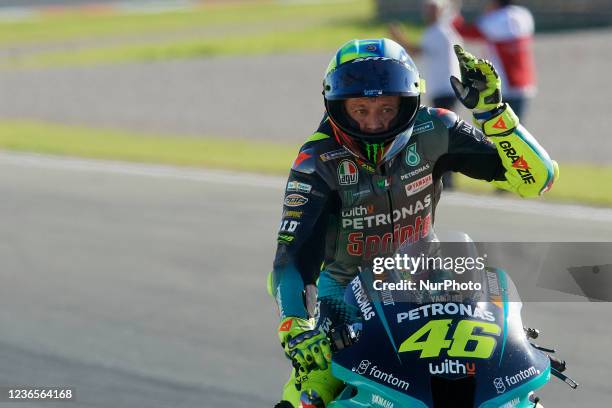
412 157
373 150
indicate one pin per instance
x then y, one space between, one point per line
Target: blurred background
143 150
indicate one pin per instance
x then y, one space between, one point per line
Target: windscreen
431 271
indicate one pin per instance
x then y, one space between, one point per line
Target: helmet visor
372 76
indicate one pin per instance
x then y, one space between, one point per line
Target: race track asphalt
147 288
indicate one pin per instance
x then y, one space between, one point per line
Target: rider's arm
301 234
529 170
512 160
468 151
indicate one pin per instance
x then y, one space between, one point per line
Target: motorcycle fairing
374 361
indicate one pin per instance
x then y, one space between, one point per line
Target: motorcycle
424 343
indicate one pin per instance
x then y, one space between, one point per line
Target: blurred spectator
508 31
439 60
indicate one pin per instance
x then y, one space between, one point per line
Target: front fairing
382 368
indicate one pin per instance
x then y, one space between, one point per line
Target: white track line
140 169
512 205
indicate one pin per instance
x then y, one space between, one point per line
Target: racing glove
529 169
480 90
306 346
480 87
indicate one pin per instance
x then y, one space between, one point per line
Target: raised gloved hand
306 346
480 87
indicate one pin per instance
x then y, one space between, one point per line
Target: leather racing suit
339 212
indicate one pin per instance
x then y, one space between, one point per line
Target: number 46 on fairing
430 339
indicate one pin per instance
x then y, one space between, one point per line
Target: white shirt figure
436 47
439 60
508 32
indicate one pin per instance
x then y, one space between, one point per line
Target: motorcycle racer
369 179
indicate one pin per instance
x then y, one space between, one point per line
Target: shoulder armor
305 162
320 146
448 118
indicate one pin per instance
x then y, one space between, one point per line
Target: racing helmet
372 68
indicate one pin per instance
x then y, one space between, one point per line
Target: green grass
316 38
214 152
578 183
232 30
87 25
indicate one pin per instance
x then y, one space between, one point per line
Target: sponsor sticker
499 385
362 299
419 185
358 211
384 183
293 214
468 130
286 326
361 217
521 376
366 368
347 173
336 154
299 187
412 157
518 162
285 239
500 124
423 127
351 197
288 226
363 366
415 172
453 309
295 200
368 246
511 404
493 283
381 401
367 167
300 158
372 92
452 367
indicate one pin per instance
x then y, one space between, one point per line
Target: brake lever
557 364
573 384
544 349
